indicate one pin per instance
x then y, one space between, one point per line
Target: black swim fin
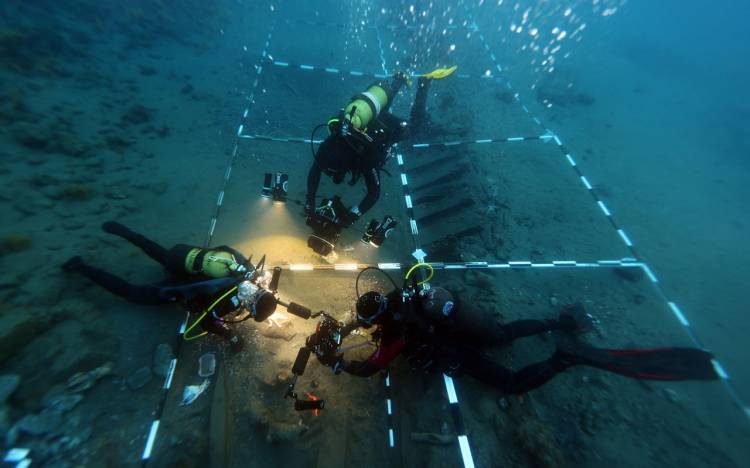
672 363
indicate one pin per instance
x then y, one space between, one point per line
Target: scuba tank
212 263
357 120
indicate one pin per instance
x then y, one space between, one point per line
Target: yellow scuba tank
366 107
212 263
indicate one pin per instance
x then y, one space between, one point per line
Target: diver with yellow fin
212 282
361 136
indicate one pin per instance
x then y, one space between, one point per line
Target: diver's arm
313 181
377 361
349 327
372 182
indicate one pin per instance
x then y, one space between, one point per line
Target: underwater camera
324 343
376 232
275 186
326 225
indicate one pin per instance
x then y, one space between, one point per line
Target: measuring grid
421 255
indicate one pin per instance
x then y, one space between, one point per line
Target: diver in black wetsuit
204 280
361 137
434 330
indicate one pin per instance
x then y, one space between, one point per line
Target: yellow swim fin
439 73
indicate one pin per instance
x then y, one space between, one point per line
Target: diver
362 135
210 282
434 330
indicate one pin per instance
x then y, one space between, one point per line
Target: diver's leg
474 363
151 248
139 294
418 117
474 324
392 88
573 319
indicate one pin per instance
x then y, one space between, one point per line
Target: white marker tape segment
408 201
390 437
307 67
678 313
516 139
463 443
719 370
301 267
403 179
170 374
649 273
150 440
184 323
16 455
388 405
586 182
625 238
570 160
450 389
604 208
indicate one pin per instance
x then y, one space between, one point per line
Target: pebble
63 403
673 396
8 384
40 424
72 225
139 378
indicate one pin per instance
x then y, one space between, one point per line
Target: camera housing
325 222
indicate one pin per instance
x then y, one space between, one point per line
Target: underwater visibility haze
375 233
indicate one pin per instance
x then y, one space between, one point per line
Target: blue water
583 151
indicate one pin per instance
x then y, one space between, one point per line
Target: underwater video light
376 232
275 186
